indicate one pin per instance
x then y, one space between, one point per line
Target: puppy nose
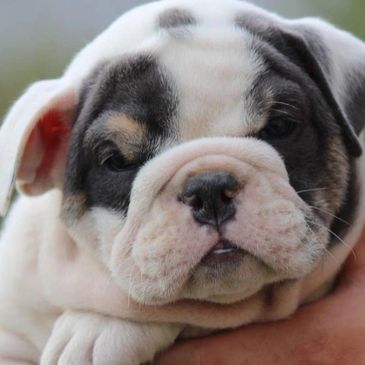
210 196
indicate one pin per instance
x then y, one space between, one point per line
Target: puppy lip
223 254
223 246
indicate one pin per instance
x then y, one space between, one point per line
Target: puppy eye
116 162
278 128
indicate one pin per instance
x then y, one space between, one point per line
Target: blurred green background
39 37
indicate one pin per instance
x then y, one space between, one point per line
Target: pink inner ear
53 132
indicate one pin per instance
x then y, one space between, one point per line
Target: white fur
75 295
219 69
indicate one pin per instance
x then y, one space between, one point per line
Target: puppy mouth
223 253
223 247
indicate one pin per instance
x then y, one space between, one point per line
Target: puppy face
210 149
205 166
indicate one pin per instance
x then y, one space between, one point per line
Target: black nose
210 197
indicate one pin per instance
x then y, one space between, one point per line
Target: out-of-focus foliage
346 14
38 38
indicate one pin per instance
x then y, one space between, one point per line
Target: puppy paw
83 338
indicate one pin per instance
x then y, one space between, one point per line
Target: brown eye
108 156
277 128
115 162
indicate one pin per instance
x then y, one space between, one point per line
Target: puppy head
209 148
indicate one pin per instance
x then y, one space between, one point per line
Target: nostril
227 195
210 197
193 201
226 199
197 203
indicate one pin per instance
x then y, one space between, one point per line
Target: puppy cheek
169 244
96 229
107 225
271 224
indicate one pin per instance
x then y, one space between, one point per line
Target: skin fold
331 331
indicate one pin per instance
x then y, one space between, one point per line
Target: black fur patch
355 107
341 224
304 49
309 155
284 97
138 88
174 18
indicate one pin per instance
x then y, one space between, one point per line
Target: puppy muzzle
214 219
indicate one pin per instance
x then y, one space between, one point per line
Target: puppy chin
227 279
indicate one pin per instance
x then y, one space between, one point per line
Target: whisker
129 297
330 214
143 290
328 252
338 237
129 289
285 104
282 112
310 190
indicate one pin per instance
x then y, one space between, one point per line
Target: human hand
330 331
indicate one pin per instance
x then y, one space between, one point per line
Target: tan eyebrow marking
127 133
126 125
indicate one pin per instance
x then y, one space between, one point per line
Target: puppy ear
34 139
335 60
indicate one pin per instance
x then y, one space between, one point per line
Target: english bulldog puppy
197 167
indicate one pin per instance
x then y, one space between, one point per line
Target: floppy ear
34 139
335 60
